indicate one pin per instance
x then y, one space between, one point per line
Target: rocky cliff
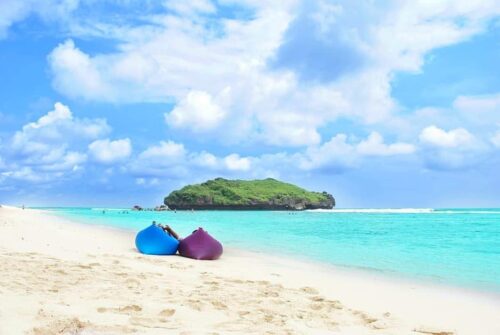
267 194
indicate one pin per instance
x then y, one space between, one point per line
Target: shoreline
279 295
383 274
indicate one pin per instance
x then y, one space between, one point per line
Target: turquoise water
458 246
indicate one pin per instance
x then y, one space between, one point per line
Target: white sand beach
61 277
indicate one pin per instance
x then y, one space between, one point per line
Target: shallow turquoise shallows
456 246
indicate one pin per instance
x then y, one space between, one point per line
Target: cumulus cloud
449 150
56 129
374 146
435 136
12 11
191 7
197 111
73 66
234 162
52 146
495 139
164 153
204 159
252 99
172 159
479 111
108 152
167 158
334 155
339 154
69 161
165 59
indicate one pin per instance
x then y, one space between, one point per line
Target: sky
119 102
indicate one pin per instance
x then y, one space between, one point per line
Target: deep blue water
457 246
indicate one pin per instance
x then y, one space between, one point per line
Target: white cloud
24 174
107 152
51 147
204 159
336 154
480 110
412 28
69 161
191 7
77 75
57 129
166 59
197 111
10 12
13 11
165 152
450 150
339 154
234 162
147 182
168 158
495 139
454 138
374 146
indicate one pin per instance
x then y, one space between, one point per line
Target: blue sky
386 104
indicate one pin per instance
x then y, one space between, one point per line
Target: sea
458 246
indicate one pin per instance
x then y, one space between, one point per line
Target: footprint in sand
195 304
365 318
309 290
130 308
269 293
317 298
219 305
167 312
316 307
432 331
150 323
132 283
65 326
122 310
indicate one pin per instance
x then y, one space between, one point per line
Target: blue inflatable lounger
154 241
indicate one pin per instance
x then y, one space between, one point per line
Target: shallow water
456 246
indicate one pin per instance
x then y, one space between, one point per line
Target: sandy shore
59 277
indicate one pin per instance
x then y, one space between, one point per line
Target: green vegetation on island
266 194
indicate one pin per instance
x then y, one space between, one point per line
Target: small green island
265 194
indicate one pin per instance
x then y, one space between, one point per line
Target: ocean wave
405 211
375 210
467 212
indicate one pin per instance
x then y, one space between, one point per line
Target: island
265 194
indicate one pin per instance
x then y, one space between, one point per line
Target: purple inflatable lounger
200 245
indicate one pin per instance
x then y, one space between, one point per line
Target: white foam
375 210
467 212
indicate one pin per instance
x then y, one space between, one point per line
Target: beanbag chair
200 245
154 241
